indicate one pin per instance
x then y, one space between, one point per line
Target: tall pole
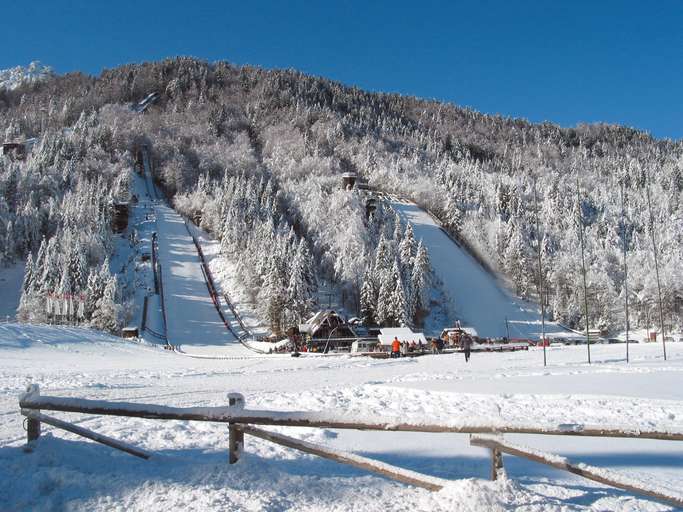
583 266
624 243
654 250
540 276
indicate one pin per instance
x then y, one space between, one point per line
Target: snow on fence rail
241 421
613 479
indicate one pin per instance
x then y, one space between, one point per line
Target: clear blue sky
566 62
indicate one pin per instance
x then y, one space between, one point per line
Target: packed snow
11 278
189 469
191 315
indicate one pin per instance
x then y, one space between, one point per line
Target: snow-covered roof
386 336
314 323
467 330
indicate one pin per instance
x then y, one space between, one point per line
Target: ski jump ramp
479 298
192 320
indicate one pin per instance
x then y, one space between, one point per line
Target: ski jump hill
193 325
479 298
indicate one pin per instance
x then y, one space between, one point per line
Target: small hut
119 218
15 150
349 180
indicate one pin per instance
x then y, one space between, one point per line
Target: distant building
349 180
453 335
326 324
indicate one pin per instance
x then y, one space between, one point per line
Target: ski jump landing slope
479 298
192 320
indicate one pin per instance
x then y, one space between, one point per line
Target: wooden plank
589 472
392 472
89 434
316 419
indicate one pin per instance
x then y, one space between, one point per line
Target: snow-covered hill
14 77
190 470
478 298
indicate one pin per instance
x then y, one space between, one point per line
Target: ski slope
479 299
193 324
192 320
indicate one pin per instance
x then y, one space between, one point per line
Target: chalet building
325 324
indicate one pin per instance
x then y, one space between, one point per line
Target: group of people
403 349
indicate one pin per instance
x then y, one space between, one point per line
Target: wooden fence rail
241 421
497 446
320 419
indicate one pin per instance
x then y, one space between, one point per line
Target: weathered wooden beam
319 419
235 433
496 463
235 442
89 434
395 473
590 472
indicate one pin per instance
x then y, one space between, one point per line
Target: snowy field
190 471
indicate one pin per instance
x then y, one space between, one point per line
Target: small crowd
436 346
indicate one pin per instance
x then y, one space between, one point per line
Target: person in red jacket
396 348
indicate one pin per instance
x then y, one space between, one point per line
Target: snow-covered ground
191 315
478 297
190 471
11 279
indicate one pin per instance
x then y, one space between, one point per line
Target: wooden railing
241 421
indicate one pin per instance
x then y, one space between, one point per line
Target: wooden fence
241 421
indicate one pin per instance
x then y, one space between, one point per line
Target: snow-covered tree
107 314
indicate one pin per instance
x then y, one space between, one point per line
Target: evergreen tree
27 285
272 296
94 291
399 306
107 314
419 282
368 298
300 287
383 311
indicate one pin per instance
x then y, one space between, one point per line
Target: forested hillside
256 157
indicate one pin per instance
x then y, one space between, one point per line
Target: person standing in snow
396 348
467 346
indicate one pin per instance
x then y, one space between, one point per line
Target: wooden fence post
235 433
236 442
496 463
32 424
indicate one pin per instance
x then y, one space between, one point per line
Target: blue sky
566 62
